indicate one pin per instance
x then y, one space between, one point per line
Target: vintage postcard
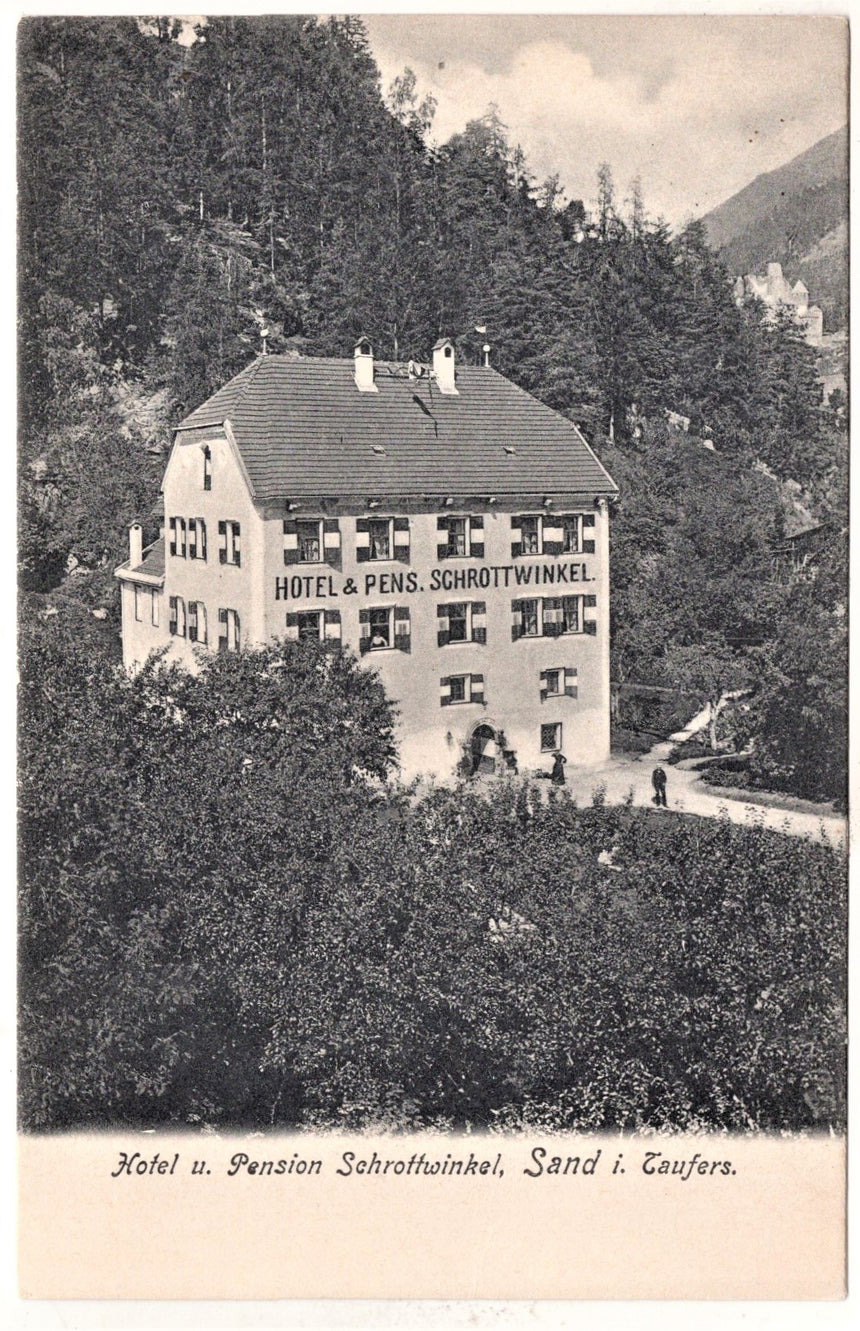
433 639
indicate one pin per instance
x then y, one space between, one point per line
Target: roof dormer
443 365
364 366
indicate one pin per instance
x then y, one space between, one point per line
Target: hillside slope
795 215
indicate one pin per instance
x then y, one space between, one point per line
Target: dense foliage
226 916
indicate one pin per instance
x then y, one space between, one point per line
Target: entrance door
484 750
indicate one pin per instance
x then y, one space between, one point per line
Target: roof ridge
250 372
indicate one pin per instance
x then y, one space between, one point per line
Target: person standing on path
658 781
557 773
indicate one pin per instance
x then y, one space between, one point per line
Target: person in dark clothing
557 773
658 781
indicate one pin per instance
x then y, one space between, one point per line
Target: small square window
379 530
309 542
309 625
550 737
380 629
458 688
553 681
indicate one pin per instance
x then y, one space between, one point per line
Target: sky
695 106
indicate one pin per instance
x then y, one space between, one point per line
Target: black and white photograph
433 589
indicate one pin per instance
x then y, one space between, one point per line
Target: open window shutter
443 637
401 540
362 541
516 620
590 601
445 691
180 525
174 616
173 536
551 617
222 553
180 608
516 537
202 630
363 631
331 543
402 634
201 539
476 688
588 546
237 552
476 537
442 546
291 541
589 625
192 621
543 686
222 624
332 630
553 537
192 538
292 626
570 681
479 621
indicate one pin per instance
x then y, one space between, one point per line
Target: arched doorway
484 750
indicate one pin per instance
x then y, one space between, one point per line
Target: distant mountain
796 215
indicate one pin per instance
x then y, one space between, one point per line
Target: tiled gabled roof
303 428
152 565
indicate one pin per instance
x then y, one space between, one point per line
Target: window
228 631
380 629
462 537
461 689
379 530
558 682
229 533
310 625
550 737
197 622
310 544
177 537
530 535
138 603
571 618
529 613
196 538
207 467
177 617
561 614
552 616
156 607
462 621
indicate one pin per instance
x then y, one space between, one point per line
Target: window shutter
479 621
332 629
201 539
192 621
570 681
543 686
442 546
173 539
402 634
590 601
237 553
180 616
590 626
238 623
192 538
331 543
222 620
442 625
551 616
292 633
588 521
180 529
202 630
476 688
516 537
445 691
363 631
291 541
553 537
222 554
476 536
362 540
401 540
516 620
174 616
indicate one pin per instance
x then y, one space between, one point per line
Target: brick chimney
364 366
443 365
135 545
